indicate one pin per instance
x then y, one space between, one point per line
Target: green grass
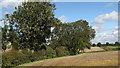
102 51
111 47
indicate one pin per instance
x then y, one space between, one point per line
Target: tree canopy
76 36
30 24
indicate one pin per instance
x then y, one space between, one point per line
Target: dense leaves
15 57
29 25
62 51
4 36
75 36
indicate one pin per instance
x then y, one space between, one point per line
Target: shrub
16 57
13 58
40 54
29 55
62 51
50 53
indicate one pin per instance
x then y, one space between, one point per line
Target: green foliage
62 51
50 53
41 54
4 36
111 47
99 44
13 58
75 36
117 44
29 55
29 25
107 43
94 45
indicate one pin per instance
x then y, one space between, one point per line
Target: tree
99 44
94 45
4 35
30 24
107 44
116 44
75 36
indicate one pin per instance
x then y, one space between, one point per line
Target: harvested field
94 49
87 59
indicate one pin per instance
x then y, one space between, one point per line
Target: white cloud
113 16
116 27
6 13
115 32
104 34
104 37
98 28
9 3
63 19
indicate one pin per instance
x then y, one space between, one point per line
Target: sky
102 16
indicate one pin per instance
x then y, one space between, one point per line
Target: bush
50 53
40 54
62 51
29 55
13 58
16 57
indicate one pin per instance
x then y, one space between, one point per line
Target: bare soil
94 49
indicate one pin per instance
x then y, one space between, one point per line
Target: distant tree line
107 44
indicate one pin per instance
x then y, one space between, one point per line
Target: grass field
111 47
109 58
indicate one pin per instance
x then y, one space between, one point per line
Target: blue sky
93 12
84 10
102 16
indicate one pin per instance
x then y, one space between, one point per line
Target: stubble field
88 59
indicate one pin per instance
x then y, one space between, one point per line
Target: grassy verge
102 51
109 48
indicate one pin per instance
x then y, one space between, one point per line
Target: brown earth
87 59
93 49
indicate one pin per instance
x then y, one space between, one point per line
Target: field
111 47
88 59
94 49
